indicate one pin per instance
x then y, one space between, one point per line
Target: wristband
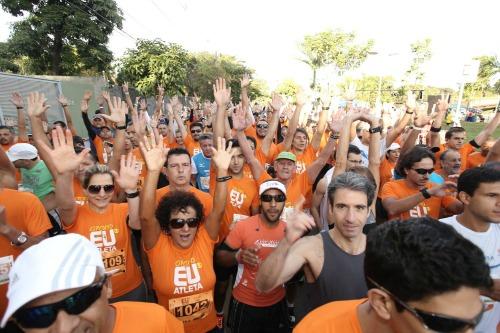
126 93
124 127
334 136
377 129
223 179
435 129
19 107
325 108
425 193
417 128
409 112
64 105
132 195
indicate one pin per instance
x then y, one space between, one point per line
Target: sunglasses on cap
262 126
45 315
435 321
180 223
269 197
424 171
94 189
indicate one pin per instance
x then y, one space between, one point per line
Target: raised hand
350 92
298 223
37 104
326 98
87 95
411 102
139 122
17 100
63 154
62 100
100 99
143 105
300 97
442 104
421 118
129 174
250 256
245 81
222 94
447 188
125 87
277 102
84 106
118 110
222 156
239 119
153 152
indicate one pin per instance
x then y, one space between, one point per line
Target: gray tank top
341 278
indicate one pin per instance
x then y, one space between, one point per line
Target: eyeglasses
44 315
435 321
180 223
262 126
424 171
95 189
195 131
269 197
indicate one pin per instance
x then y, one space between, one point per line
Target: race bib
236 219
114 261
205 182
5 265
191 307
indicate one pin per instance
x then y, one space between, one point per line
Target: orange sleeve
251 131
389 190
36 217
265 176
235 237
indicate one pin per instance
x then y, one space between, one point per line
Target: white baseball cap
272 184
394 146
22 151
55 264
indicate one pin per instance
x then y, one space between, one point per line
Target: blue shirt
201 168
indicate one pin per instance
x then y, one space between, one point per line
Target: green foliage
288 88
333 48
421 52
367 88
489 66
153 62
62 37
7 63
259 91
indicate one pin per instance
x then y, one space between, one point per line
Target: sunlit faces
485 203
102 199
237 161
456 141
353 160
98 122
178 138
179 169
206 146
183 237
285 169
272 210
261 128
196 131
451 162
393 155
163 130
6 137
105 133
349 210
417 179
284 131
299 141
131 135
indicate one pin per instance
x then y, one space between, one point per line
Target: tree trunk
57 52
313 84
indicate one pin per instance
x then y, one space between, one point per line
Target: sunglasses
424 171
269 197
195 131
95 189
43 316
262 126
180 223
435 321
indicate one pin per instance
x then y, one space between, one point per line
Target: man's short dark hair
196 124
470 180
422 257
234 142
303 131
60 123
206 136
10 128
176 201
442 157
353 150
415 155
454 129
177 151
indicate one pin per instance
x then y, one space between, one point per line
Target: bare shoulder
309 247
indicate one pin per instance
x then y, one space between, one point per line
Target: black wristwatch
132 195
20 240
425 193
124 127
377 129
223 179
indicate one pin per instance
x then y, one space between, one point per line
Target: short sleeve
265 176
388 191
235 238
194 170
37 219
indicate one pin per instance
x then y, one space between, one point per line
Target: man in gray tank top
332 260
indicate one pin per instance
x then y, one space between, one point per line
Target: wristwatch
21 239
377 129
425 193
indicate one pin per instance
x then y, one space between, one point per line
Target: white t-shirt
489 243
364 149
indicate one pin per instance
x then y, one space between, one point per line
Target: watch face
22 239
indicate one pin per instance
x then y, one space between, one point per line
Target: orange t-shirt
110 233
334 317
242 195
184 280
141 166
465 151
99 148
7 146
193 147
475 160
298 187
304 159
248 234
386 173
133 317
399 189
80 196
205 198
170 144
25 212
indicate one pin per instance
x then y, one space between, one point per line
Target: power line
160 10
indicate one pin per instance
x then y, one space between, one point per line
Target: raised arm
289 257
294 122
128 100
320 129
154 155
118 113
411 106
374 150
17 100
127 180
66 161
494 154
84 108
315 168
344 138
276 105
177 112
222 96
221 158
67 114
316 201
245 101
488 130
442 108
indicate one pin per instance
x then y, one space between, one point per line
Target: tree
421 52
333 48
153 62
489 69
367 88
288 88
63 37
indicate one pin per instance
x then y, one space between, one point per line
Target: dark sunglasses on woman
95 189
